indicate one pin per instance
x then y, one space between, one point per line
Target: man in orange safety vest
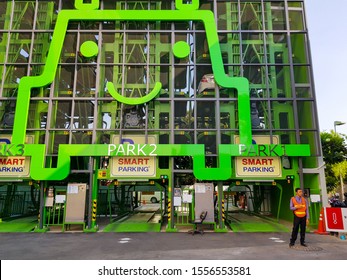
299 206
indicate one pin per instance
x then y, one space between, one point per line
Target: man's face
299 192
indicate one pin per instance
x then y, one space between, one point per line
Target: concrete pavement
168 246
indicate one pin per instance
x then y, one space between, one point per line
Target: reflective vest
300 212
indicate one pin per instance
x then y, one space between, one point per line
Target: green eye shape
89 49
181 49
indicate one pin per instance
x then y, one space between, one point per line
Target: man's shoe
291 245
303 244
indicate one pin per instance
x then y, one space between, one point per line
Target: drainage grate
308 248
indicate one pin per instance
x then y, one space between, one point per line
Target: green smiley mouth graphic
135 100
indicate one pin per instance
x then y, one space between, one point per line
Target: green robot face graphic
88 49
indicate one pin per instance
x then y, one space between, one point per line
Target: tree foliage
334 149
339 168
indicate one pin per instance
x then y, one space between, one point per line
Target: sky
327 31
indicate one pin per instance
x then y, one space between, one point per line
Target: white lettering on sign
242 148
132 150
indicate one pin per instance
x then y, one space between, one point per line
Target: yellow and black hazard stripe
169 209
94 210
223 210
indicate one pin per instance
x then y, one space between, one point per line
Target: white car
206 83
151 197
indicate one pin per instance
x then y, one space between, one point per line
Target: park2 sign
134 162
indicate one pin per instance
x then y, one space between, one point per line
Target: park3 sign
184 12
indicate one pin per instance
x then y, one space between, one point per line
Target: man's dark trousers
298 223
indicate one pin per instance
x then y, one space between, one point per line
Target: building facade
198 105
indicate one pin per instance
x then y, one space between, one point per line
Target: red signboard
334 219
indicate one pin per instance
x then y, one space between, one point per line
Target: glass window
64 80
84 115
104 121
23 15
106 75
3 38
282 114
86 81
41 46
280 82
277 48
222 12
252 48
81 137
38 114
296 20
181 82
275 14
14 73
306 108
259 110
208 138
3 7
286 137
301 74
303 92
18 51
251 16
61 114
69 48
309 137
57 138
7 109
206 114
184 163
299 43
255 74
45 10
183 118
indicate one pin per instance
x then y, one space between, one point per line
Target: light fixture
336 123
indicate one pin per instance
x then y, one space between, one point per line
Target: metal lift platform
145 218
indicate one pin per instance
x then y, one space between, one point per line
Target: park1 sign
253 166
